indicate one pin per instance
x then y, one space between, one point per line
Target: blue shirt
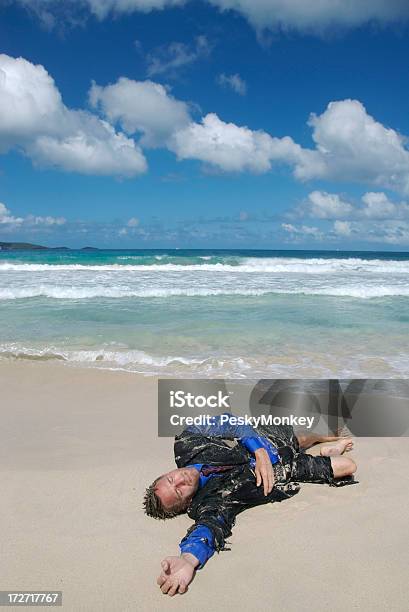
200 542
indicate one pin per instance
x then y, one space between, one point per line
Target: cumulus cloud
7 218
303 230
313 17
372 205
390 232
373 219
149 108
141 106
170 58
379 206
230 147
342 228
328 205
234 82
352 145
34 120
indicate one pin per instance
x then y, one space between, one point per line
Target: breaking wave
247 265
86 293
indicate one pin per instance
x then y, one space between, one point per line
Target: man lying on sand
223 470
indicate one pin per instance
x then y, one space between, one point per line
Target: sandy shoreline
78 447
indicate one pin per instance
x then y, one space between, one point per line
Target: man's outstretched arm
199 544
177 573
195 549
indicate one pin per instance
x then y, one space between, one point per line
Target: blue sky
191 126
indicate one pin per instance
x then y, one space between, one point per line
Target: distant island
27 246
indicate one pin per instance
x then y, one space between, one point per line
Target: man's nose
179 478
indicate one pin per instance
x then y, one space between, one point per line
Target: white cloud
306 231
391 232
167 60
234 82
342 228
7 218
328 205
46 10
373 205
46 221
379 206
133 222
314 16
376 205
29 100
141 106
101 8
372 219
34 120
351 145
230 147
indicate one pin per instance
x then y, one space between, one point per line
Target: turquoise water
224 313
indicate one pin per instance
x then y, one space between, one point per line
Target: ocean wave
247 265
298 365
86 293
83 293
120 357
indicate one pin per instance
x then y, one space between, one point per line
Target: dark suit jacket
217 504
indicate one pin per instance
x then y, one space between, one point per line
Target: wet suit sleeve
222 427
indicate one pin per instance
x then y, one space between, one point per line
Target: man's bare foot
307 440
342 446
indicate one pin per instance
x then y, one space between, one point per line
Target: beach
79 445
204 269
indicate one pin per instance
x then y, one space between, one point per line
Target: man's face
177 487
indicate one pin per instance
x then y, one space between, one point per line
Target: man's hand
264 470
177 573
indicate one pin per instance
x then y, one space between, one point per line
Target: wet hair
153 506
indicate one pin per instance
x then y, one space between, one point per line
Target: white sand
78 447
